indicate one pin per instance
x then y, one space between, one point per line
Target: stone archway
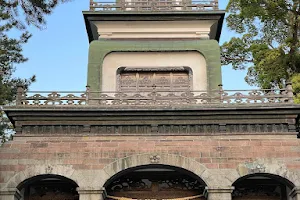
261 173
61 170
265 167
155 181
262 186
48 187
155 158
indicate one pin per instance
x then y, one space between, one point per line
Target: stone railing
154 97
154 5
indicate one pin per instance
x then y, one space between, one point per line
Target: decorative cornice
279 120
91 16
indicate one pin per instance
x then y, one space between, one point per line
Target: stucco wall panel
192 59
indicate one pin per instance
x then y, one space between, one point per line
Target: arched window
160 79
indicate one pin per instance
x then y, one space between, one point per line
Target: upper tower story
136 45
154 19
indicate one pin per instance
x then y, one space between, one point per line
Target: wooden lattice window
146 80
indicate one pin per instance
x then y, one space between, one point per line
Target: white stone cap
154 29
90 190
218 190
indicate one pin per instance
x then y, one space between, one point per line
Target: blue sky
58 53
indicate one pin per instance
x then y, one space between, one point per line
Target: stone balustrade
154 97
154 5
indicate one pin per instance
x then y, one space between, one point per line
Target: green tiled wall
100 48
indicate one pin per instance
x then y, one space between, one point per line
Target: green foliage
296 87
34 12
268 45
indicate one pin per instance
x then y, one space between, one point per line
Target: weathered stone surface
87 193
10 194
295 193
217 193
89 159
190 120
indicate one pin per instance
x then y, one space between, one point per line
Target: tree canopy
17 15
268 44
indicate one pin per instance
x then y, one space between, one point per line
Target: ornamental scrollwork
145 184
155 97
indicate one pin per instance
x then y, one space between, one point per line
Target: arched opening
262 187
155 182
48 187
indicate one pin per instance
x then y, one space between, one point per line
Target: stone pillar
10 194
215 193
90 193
295 193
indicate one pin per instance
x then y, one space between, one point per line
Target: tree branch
238 59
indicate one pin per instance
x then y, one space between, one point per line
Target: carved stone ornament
190 129
154 159
159 88
49 169
251 167
175 184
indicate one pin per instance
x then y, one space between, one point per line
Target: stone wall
218 144
220 159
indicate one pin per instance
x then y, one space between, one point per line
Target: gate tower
154 121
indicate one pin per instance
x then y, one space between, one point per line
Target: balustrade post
20 93
216 5
153 5
289 92
87 94
184 4
154 94
121 4
92 5
221 93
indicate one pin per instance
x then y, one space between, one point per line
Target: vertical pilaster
90 193
295 193
218 193
10 194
